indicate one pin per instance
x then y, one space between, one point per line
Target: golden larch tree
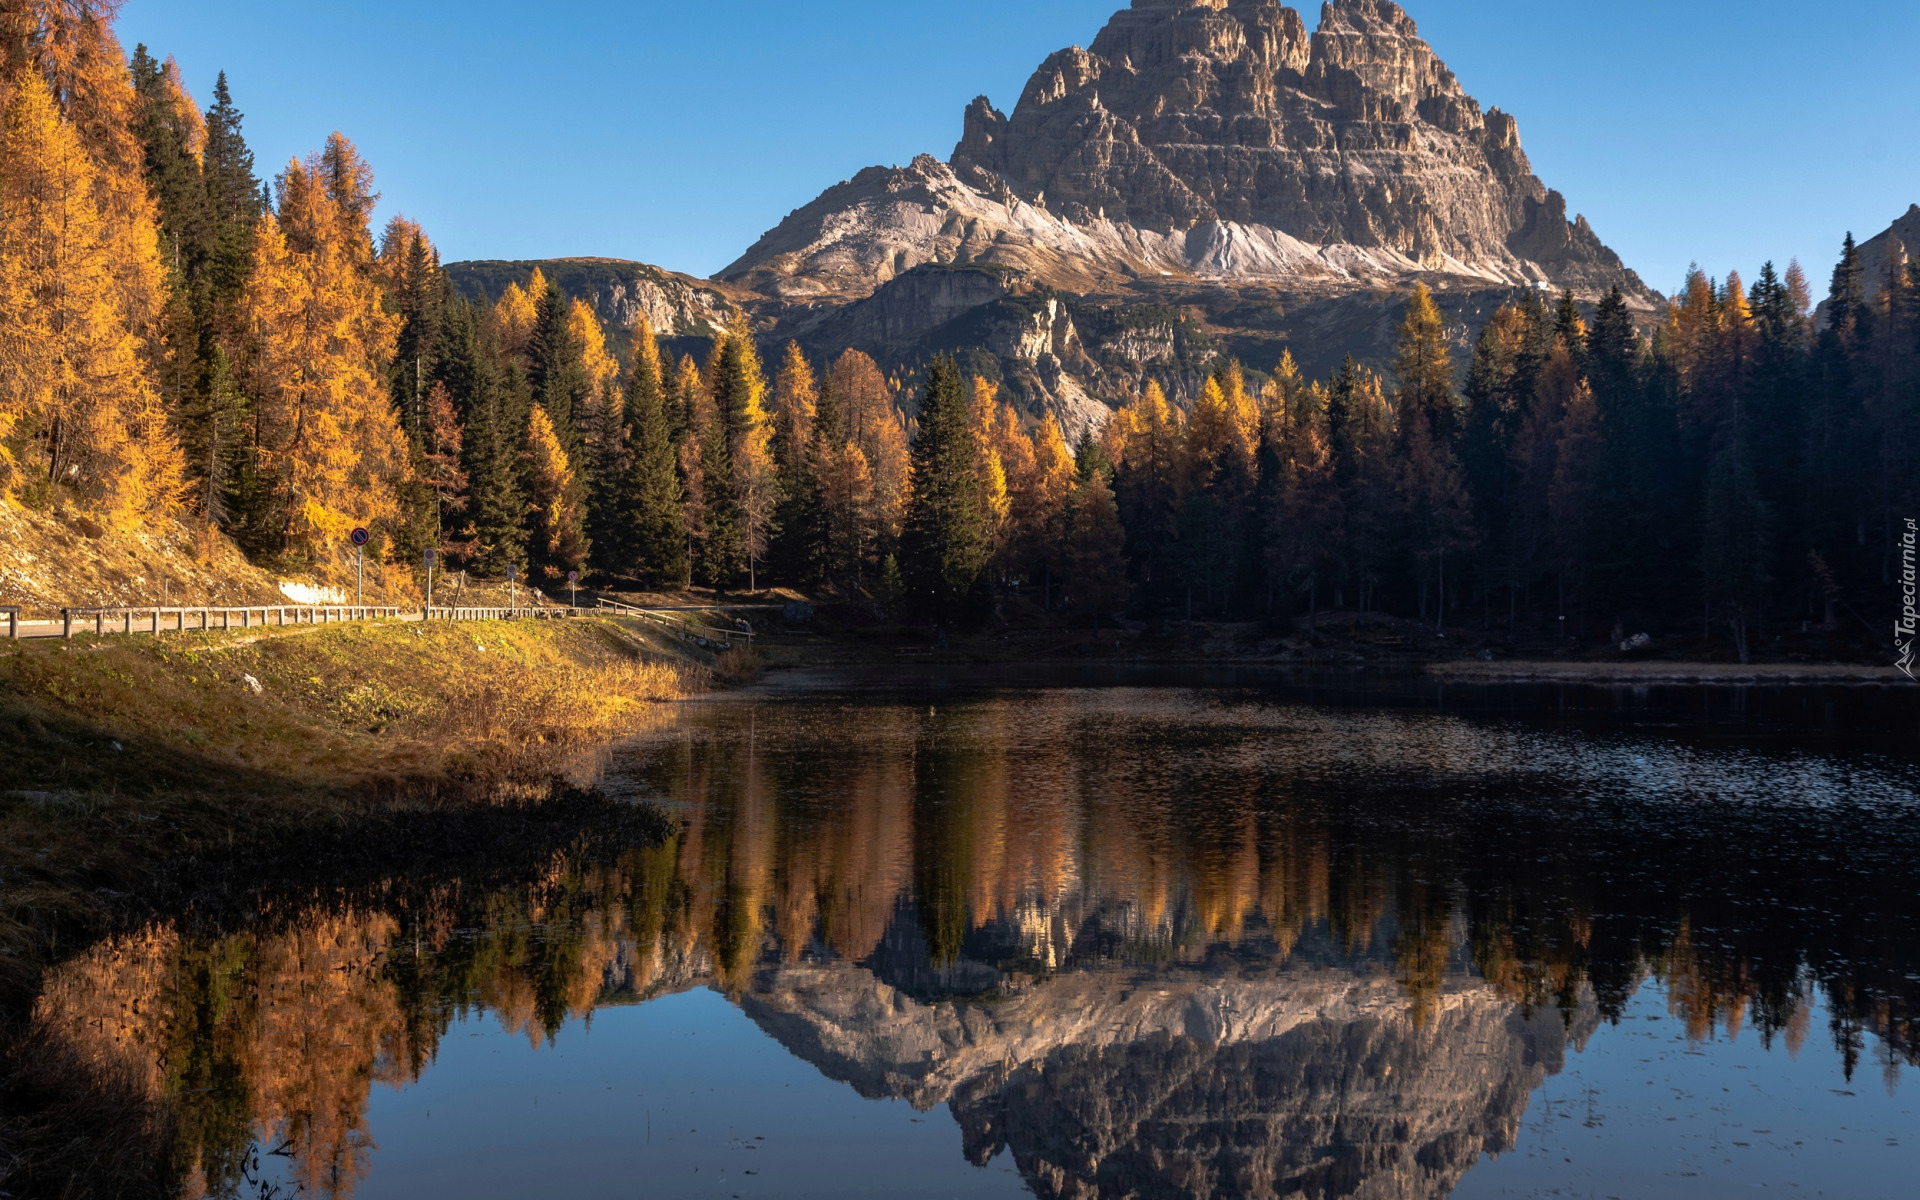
79 279
327 440
796 396
559 542
993 426
873 424
517 312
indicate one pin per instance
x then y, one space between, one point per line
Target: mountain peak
1350 151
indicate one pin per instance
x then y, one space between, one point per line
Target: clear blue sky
676 133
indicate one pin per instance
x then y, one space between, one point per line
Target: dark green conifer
944 547
652 531
800 548
1090 458
234 200
723 555
173 173
557 371
494 402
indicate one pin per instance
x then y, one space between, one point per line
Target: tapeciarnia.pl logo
1903 629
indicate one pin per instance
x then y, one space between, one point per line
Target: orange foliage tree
80 279
327 441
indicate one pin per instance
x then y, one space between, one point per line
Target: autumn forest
182 337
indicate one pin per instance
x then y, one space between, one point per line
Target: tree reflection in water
1157 943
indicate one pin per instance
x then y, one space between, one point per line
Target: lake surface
1106 934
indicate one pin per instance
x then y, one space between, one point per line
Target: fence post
100 623
66 618
13 624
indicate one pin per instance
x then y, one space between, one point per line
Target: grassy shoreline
121 758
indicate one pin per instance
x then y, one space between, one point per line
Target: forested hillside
179 335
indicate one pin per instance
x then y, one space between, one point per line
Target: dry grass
120 754
128 765
740 666
61 559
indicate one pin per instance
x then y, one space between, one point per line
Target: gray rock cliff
1211 139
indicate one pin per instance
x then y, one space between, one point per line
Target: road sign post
431 558
513 588
360 538
573 589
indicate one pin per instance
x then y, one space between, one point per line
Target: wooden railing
156 620
181 620
501 614
710 637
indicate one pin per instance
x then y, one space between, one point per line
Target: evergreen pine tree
800 547
1096 546
1090 459
556 370
171 134
652 525
1147 483
490 409
740 488
944 545
233 204
1838 438
723 552
1432 489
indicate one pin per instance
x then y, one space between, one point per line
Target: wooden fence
502 614
181 620
156 620
709 637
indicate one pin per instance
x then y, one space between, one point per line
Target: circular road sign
573 577
360 537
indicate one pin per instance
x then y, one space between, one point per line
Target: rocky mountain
1269 1082
1214 140
1208 179
1888 251
1251 1073
621 292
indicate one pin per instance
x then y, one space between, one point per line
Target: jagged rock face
1889 251
620 292
1281 1082
1211 139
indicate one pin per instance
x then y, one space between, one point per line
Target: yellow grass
118 753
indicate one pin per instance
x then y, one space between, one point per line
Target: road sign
360 537
573 577
513 573
432 556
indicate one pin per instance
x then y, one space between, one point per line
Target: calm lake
1120 934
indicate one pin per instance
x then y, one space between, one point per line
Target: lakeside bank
122 757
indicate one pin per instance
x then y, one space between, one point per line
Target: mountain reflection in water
1151 942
